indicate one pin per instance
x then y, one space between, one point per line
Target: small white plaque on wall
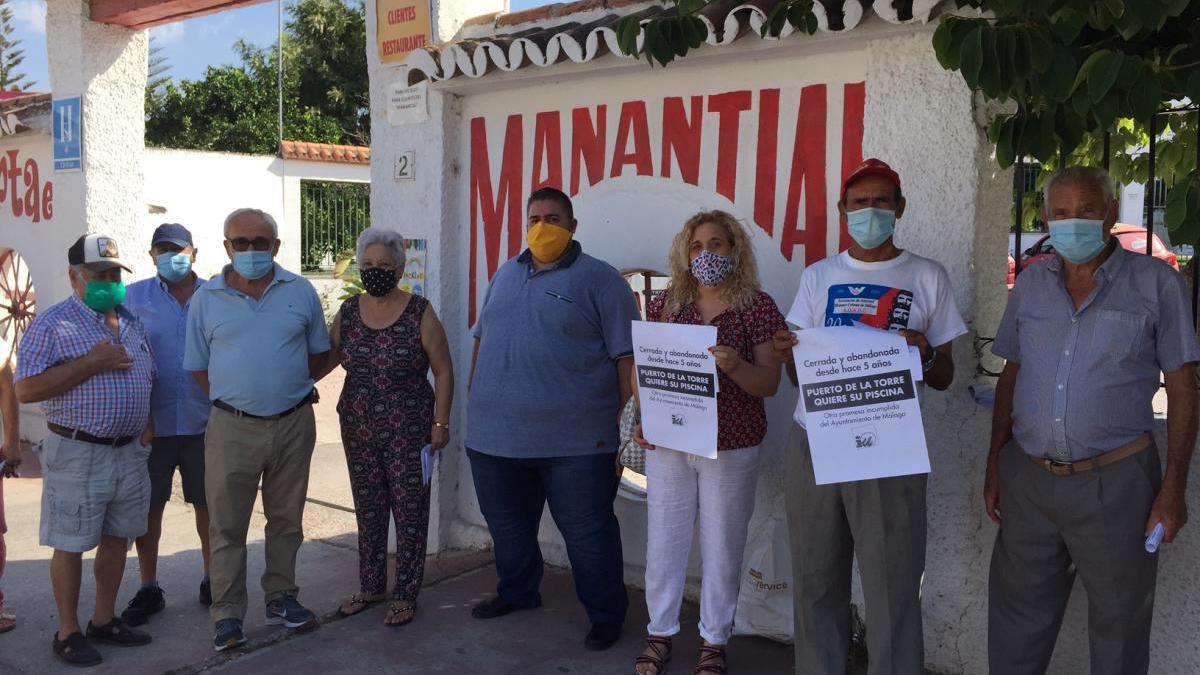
406 165
405 104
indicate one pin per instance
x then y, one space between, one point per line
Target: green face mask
104 296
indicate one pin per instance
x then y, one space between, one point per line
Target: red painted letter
547 146
633 118
14 174
767 163
587 143
808 173
492 209
32 195
681 137
852 140
729 108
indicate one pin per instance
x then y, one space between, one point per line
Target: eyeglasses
257 243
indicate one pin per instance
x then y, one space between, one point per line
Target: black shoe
206 593
76 651
149 600
496 607
117 632
228 634
602 636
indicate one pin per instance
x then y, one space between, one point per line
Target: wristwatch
442 426
928 365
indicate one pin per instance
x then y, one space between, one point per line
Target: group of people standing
216 378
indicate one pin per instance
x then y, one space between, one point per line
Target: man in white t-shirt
874 284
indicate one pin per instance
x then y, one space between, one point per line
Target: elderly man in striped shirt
87 361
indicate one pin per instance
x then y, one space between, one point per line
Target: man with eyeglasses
256 333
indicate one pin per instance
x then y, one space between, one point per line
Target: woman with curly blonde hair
714 281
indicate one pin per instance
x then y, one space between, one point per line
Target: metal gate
332 215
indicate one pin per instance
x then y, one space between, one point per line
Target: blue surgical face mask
253 264
1077 240
870 227
173 266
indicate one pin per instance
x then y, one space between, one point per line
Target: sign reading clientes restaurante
400 27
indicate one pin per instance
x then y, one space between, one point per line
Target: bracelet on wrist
928 365
440 425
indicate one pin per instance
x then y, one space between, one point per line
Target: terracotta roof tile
584 30
325 152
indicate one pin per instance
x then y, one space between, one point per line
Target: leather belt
77 435
1069 468
309 399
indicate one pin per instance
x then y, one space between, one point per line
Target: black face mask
378 281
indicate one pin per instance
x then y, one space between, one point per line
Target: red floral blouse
741 417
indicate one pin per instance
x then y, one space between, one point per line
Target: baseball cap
96 249
171 233
871 167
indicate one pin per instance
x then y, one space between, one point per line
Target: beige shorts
89 490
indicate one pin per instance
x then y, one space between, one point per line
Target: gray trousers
1095 520
882 522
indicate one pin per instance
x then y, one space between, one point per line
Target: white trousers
680 487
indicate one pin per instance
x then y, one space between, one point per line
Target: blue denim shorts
89 490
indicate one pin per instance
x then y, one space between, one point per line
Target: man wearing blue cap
179 408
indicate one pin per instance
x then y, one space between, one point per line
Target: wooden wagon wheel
17 301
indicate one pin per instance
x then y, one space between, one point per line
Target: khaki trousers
882 523
239 452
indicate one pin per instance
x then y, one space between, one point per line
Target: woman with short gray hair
387 340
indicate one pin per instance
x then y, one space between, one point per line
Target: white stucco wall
106 66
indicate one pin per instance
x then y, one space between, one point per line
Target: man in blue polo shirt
255 334
550 375
178 408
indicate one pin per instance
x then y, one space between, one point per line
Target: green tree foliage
1067 71
11 56
235 108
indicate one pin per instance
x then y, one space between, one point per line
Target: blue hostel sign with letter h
68 134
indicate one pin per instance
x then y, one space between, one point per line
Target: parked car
1131 238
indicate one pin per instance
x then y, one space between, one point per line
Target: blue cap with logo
171 233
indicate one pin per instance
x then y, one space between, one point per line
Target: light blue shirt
256 351
178 405
545 380
1088 374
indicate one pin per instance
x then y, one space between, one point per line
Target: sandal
398 608
357 603
712 660
7 622
657 654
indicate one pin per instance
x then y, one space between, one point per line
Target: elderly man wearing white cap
87 361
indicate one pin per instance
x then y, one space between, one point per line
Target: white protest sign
407 105
677 385
858 401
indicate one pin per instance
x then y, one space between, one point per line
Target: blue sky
190 46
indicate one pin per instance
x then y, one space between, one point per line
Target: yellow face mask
548 242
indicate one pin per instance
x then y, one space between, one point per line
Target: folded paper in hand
429 463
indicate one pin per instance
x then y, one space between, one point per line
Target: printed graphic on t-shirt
870 305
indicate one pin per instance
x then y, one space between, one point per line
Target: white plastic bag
765 599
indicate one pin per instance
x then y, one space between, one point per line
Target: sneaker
117 632
495 607
602 636
149 600
228 635
287 611
206 593
76 651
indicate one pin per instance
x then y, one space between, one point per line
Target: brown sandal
712 660
7 622
359 602
657 654
397 608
